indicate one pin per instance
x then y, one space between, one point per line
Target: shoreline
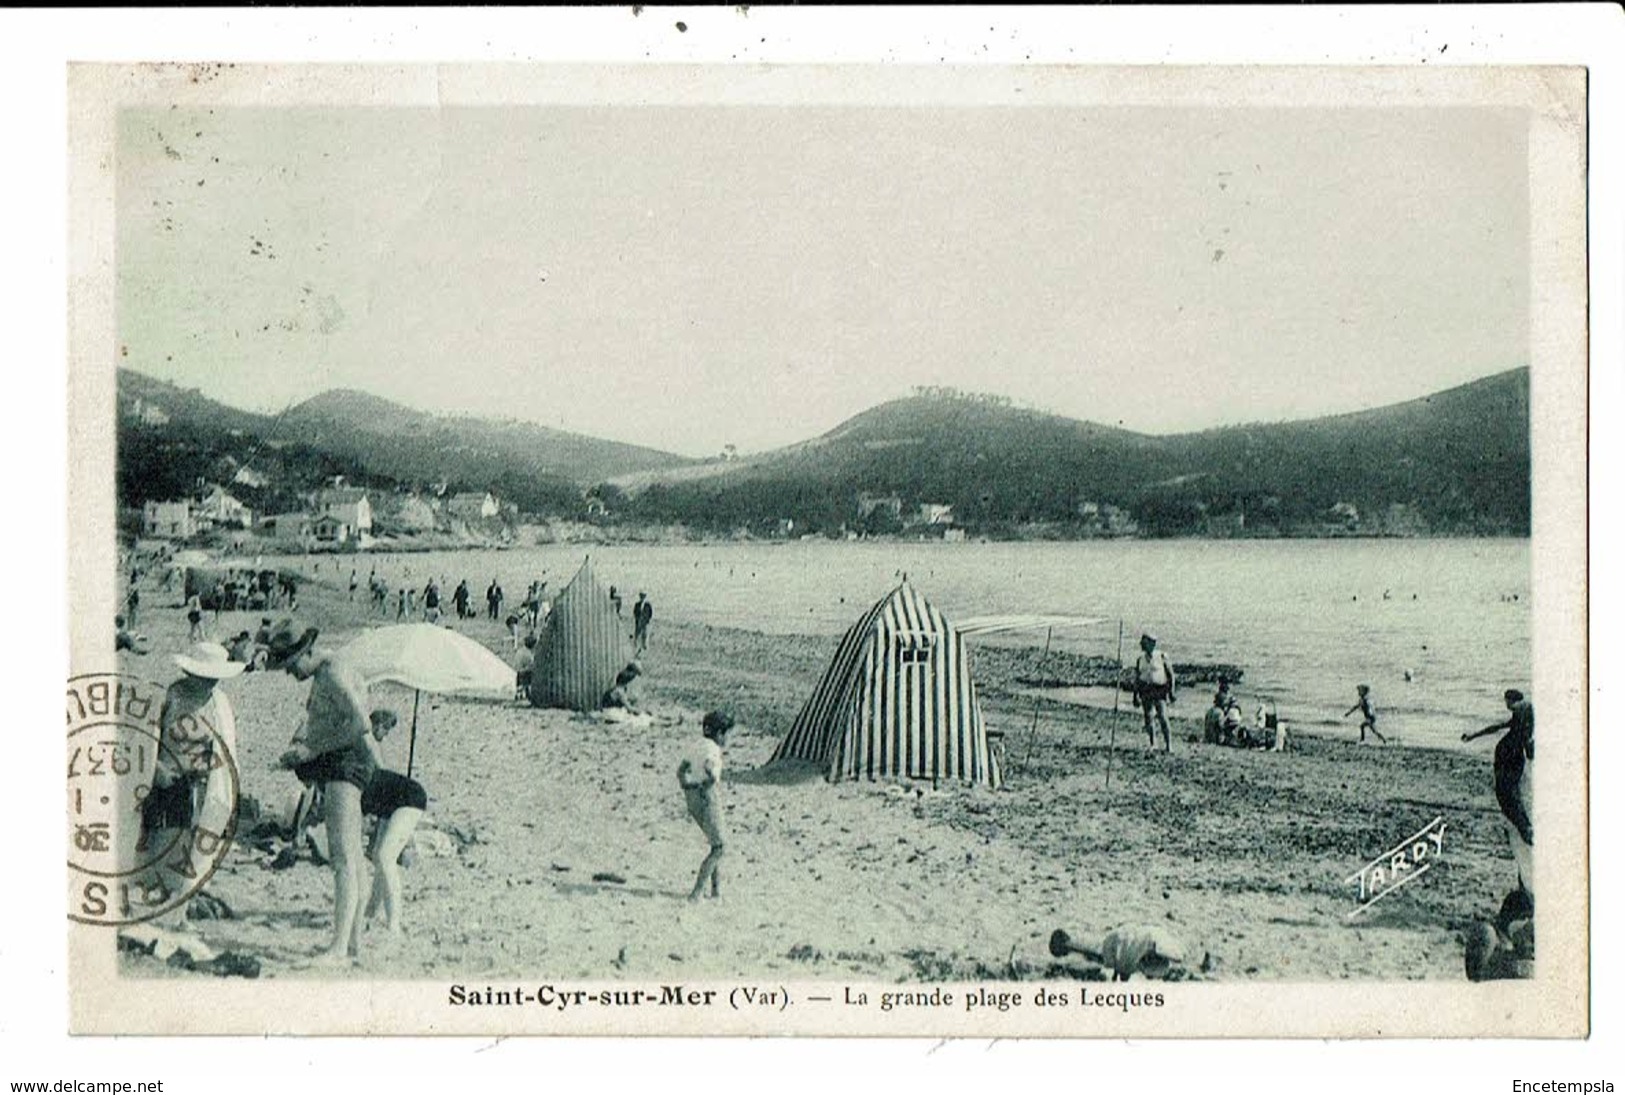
633 538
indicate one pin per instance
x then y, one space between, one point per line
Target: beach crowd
343 785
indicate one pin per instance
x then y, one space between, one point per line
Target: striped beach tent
897 702
582 648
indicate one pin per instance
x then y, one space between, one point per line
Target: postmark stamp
152 809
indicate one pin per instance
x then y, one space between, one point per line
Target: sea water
1306 620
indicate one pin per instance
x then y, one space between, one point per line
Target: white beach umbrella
431 659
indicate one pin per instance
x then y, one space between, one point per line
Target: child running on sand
1368 713
700 776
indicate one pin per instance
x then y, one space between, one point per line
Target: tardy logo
1405 862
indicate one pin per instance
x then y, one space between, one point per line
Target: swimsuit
168 807
706 811
353 765
391 791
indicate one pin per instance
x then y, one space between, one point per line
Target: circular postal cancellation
151 811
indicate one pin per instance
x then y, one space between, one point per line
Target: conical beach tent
582 648
896 702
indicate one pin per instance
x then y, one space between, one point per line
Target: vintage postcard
961 550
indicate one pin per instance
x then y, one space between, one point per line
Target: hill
411 445
170 438
1456 462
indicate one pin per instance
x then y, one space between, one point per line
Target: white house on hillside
349 507
221 509
329 529
148 413
473 506
168 520
890 504
248 477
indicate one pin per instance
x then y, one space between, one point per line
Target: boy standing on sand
700 776
1368 713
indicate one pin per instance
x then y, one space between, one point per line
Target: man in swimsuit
1154 688
331 749
700 776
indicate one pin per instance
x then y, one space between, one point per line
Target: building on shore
220 509
290 527
350 507
473 506
888 504
169 520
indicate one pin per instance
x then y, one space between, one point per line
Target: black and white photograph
836 550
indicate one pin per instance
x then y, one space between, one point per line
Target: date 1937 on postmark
151 808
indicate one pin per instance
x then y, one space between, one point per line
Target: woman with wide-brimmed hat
190 787
330 750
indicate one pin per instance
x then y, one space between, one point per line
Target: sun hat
286 643
208 660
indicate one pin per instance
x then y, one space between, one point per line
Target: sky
689 277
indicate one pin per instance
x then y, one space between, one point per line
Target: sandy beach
1241 854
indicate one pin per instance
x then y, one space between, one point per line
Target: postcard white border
1538 34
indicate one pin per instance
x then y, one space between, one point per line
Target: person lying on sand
398 802
330 749
1148 951
699 774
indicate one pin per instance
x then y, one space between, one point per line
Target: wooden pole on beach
1032 731
1117 695
412 743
